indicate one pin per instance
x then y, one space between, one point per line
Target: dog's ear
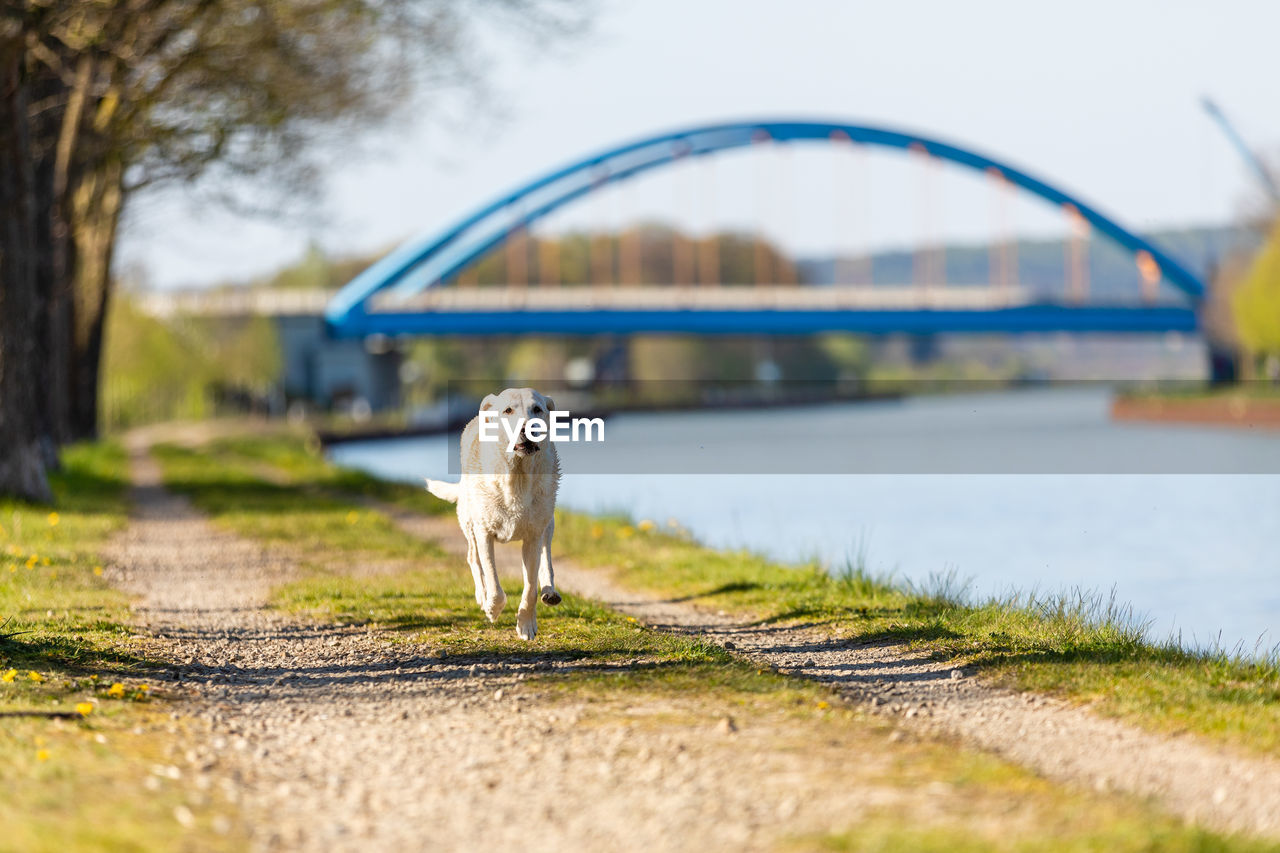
548 403
490 402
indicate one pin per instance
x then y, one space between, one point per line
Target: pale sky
1100 98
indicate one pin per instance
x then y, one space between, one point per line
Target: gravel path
1210 785
331 738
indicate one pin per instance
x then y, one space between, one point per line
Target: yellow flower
54 518
116 691
143 688
42 755
84 709
97 570
9 676
34 676
823 705
353 517
597 530
32 560
626 530
645 526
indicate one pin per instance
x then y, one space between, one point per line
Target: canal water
1029 491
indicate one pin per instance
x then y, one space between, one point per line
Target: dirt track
335 739
331 738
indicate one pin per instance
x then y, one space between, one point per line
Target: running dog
508 492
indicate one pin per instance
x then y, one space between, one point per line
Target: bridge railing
238 302
676 297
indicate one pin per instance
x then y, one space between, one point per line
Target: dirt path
331 738
1209 785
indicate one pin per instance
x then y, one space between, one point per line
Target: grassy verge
87 743
425 597
1078 646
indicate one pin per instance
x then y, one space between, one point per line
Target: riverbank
1236 409
1084 646
745 397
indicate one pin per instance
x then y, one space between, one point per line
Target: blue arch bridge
410 292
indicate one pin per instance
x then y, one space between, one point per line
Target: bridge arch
425 262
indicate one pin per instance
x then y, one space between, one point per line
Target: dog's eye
507 411
537 410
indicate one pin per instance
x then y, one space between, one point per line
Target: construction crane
1251 159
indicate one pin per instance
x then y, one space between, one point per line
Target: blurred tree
532 361
105 98
153 371
569 257
22 464
1256 306
183 367
312 271
848 354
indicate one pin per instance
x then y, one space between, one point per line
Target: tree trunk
52 279
22 469
95 220
55 133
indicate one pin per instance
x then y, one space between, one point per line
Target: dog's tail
444 491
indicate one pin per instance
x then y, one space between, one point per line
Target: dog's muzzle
527 446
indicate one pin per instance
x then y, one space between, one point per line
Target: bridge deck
701 297
1022 319
694 310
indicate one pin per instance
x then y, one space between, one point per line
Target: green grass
88 781
234 492
298 459
626 674
1075 645
60 616
885 833
978 803
1255 389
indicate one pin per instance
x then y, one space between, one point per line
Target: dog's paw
527 625
493 607
550 596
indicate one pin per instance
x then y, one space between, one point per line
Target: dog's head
516 407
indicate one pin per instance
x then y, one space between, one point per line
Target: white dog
508 491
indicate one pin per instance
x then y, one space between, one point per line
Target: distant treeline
645 254
658 254
1041 265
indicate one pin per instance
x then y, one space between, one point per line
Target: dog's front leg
546 573
494 598
527 617
473 562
